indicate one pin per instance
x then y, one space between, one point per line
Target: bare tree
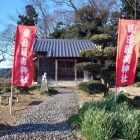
7 42
70 7
7 36
46 20
2 56
101 7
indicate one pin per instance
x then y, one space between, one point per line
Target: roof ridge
63 39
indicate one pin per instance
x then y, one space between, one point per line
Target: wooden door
66 70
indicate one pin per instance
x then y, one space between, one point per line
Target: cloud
6 64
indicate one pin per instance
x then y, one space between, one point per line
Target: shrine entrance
66 70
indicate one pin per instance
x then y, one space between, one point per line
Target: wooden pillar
56 69
75 70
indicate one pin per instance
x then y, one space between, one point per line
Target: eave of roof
62 47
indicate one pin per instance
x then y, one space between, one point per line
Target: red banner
23 70
127 51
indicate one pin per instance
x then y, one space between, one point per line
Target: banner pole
115 98
11 98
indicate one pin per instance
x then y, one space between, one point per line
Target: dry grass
25 101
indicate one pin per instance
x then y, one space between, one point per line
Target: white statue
85 78
44 84
44 77
122 89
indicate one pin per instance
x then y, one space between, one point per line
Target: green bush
89 68
100 39
92 53
93 87
128 124
110 52
108 76
97 125
6 89
122 108
22 89
137 84
110 95
107 103
110 65
83 86
75 121
137 98
122 98
96 87
96 121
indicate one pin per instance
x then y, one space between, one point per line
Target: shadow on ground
33 128
36 102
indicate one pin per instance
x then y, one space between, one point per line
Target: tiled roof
62 47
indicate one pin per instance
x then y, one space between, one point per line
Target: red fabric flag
127 51
22 73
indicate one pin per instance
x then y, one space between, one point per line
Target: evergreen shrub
109 76
137 98
122 98
89 67
100 39
83 86
96 87
110 52
93 87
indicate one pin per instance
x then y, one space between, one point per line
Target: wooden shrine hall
58 57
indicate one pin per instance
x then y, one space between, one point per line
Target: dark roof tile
62 47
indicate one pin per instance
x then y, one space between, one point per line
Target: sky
8 7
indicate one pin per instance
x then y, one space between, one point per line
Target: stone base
44 87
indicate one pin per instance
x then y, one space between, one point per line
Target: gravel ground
46 121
